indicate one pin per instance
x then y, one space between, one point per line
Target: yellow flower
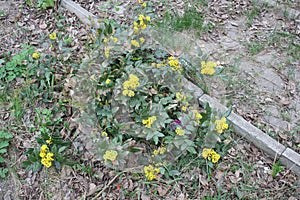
179 131
198 116
105 40
114 39
106 52
135 43
49 141
180 97
205 153
141 17
221 125
148 122
215 157
44 148
47 163
210 155
110 155
174 63
42 154
208 68
140 1
144 4
47 157
183 108
151 172
104 134
135 27
148 18
52 36
155 152
129 93
160 150
132 83
142 40
107 81
143 26
36 55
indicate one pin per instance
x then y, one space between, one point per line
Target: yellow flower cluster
141 24
110 155
180 97
132 83
179 131
47 157
136 43
184 107
36 55
151 172
221 125
198 116
49 141
211 155
114 39
52 36
148 122
143 3
160 150
174 63
106 52
208 68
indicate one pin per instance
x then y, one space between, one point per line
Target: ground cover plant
140 134
140 103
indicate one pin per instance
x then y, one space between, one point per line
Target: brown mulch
243 173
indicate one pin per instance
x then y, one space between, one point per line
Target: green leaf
191 150
2 151
6 135
174 173
3 172
4 144
211 139
228 112
1 159
57 165
61 149
26 163
37 166
162 170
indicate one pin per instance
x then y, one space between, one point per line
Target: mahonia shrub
136 109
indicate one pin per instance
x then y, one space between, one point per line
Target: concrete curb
84 15
287 156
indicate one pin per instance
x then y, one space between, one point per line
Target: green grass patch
192 19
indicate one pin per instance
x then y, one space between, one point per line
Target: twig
109 183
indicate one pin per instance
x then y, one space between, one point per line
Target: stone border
287 156
85 16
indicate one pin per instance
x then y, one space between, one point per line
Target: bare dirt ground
262 86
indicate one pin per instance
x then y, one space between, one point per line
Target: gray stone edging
84 15
287 156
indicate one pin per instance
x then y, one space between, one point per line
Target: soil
261 86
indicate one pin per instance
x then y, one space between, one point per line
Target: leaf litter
243 173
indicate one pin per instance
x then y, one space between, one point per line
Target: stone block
85 16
